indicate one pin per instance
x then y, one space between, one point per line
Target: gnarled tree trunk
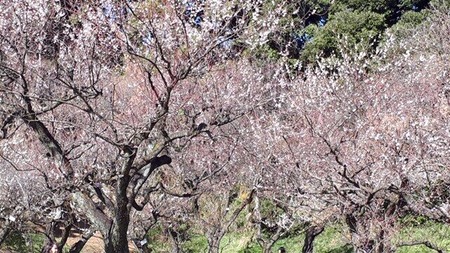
311 234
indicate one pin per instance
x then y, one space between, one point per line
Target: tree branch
427 244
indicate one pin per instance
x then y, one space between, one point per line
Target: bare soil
95 244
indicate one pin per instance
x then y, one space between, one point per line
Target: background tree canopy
317 28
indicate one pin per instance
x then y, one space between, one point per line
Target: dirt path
95 244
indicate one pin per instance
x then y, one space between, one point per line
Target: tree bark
214 248
116 239
266 248
214 244
425 243
174 241
4 232
114 231
311 234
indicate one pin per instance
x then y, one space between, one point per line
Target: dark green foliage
414 4
412 18
318 28
387 8
351 27
287 40
360 24
392 10
408 23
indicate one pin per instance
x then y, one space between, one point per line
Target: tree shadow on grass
343 249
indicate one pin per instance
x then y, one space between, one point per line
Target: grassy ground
24 242
332 240
417 230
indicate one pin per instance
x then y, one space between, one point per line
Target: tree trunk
373 244
117 237
117 240
114 231
213 245
266 248
381 245
366 247
174 241
374 247
311 233
4 232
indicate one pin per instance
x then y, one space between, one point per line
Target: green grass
329 241
197 243
418 229
332 240
235 242
28 242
